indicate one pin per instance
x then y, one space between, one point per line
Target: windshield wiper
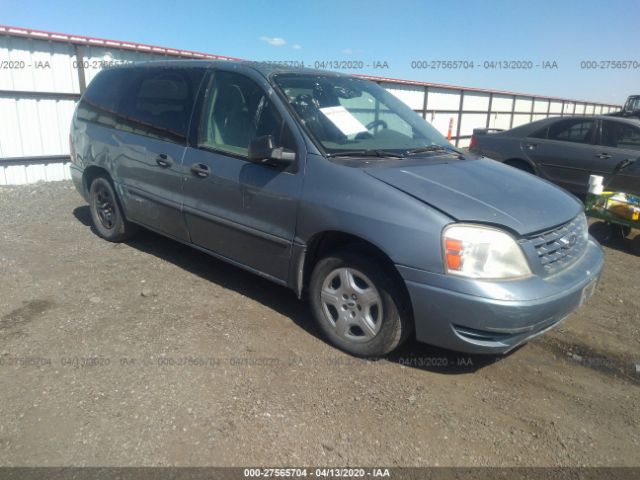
433 148
366 153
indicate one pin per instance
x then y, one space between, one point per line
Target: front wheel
358 305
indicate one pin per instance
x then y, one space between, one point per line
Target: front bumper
496 316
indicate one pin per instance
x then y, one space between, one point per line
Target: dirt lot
151 353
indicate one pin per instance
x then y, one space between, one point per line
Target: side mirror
261 150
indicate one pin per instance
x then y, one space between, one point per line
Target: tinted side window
620 135
574 130
103 96
159 102
541 133
236 111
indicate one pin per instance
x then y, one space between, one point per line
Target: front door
564 157
240 210
621 141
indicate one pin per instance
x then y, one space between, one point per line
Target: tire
601 231
358 305
106 213
635 245
620 232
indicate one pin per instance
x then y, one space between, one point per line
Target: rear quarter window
150 101
100 102
159 103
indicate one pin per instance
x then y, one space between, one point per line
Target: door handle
604 156
163 160
200 170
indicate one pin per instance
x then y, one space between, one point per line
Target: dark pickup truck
631 108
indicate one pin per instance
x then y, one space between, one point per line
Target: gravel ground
151 353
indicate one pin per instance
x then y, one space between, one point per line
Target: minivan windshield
352 116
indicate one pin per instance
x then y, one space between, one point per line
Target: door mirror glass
262 150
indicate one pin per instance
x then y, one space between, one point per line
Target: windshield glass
351 114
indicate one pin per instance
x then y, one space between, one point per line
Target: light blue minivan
328 184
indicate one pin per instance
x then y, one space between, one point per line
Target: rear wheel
106 213
358 305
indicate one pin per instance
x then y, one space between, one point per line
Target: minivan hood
483 191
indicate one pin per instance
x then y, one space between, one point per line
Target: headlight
475 251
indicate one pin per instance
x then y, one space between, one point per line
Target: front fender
345 199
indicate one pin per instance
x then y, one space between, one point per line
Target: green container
596 206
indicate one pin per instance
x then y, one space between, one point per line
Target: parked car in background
331 186
567 150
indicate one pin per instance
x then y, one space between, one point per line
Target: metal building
43 74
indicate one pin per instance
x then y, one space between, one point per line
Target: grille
560 247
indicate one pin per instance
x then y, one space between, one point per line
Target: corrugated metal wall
463 109
42 75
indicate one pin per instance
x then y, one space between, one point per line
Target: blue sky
397 32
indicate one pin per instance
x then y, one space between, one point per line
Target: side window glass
100 102
620 135
160 104
576 131
236 111
542 133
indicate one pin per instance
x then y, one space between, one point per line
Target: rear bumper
495 317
